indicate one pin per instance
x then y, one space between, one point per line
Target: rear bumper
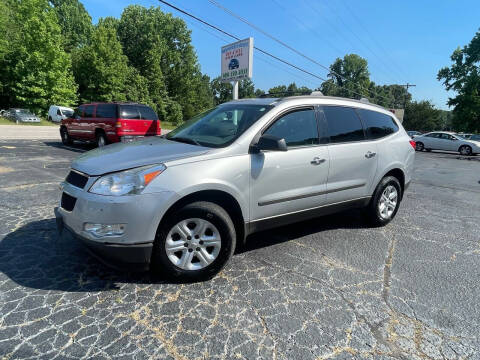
134 257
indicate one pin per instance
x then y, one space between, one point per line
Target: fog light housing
102 230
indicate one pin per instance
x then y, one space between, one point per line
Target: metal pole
235 90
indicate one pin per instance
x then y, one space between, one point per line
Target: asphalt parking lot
331 288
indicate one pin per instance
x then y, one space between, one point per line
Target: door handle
370 154
317 161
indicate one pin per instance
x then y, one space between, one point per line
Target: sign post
237 61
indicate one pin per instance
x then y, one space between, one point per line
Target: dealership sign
237 59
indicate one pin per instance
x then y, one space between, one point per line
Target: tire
375 214
50 119
66 139
419 146
217 226
465 150
101 139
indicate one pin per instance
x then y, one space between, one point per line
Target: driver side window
298 128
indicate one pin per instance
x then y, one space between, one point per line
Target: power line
360 40
259 49
215 3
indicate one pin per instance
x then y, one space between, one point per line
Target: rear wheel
465 150
385 201
101 139
66 139
194 243
419 146
50 119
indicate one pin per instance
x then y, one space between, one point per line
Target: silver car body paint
265 185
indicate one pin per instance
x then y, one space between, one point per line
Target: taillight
118 124
413 144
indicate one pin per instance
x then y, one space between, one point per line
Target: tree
101 69
223 91
348 77
75 22
35 71
143 32
463 77
422 116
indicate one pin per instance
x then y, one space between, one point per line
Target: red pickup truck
107 123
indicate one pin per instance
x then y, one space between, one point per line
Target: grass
168 126
43 122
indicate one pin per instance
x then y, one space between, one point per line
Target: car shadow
348 219
79 147
33 255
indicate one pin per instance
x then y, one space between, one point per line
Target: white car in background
449 141
58 113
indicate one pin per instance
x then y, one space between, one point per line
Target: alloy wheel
193 244
388 202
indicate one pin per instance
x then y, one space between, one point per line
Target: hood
122 156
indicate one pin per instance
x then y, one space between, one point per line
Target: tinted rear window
343 124
377 124
147 113
88 111
106 111
129 112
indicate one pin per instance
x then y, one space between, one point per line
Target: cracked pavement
331 288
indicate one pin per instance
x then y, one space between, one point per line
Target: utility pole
407 85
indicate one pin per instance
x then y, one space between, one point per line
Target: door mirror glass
269 143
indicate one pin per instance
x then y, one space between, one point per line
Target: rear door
149 120
353 159
106 117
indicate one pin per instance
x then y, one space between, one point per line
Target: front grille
77 179
68 202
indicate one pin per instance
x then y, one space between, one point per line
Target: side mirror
269 143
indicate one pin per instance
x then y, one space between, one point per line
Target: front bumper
123 257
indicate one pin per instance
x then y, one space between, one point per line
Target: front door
353 159
284 182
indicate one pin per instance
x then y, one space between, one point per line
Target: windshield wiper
185 140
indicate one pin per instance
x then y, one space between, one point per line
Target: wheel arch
399 174
219 197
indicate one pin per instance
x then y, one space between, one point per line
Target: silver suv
180 203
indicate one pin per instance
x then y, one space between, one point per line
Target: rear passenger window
378 125
147 113
106 111
88 111
129 112
343 124
298 128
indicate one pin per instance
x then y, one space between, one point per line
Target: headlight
127 182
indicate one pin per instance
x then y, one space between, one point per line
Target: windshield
23 112
67 113
219 127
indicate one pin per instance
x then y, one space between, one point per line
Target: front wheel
385 201
194 243
465 150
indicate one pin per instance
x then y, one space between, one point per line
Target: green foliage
422 116
159 46
349 77
290 90
35 71
463 77
223 91
75 22
101 69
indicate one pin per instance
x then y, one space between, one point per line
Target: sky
403 41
